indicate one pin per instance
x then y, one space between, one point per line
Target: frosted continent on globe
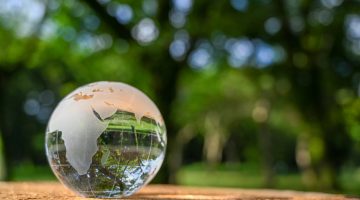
106 139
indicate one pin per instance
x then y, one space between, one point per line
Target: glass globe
105 139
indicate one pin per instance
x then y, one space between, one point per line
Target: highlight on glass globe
106 140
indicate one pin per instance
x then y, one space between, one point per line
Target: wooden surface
53 190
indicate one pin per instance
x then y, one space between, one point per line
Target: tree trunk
267 155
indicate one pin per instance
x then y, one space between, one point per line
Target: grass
350 180
30 172
250 176
233 175
123 121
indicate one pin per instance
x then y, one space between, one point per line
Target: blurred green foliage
270 87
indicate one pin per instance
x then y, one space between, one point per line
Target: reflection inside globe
116 162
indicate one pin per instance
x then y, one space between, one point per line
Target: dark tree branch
117 28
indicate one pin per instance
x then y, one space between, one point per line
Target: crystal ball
105 140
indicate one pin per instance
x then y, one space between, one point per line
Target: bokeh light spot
145 31
31 107
272 25
124 13
239 5
182 5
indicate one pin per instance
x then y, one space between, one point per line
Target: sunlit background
255 94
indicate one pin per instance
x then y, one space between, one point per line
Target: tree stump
54 190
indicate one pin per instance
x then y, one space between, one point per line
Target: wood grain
54 190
